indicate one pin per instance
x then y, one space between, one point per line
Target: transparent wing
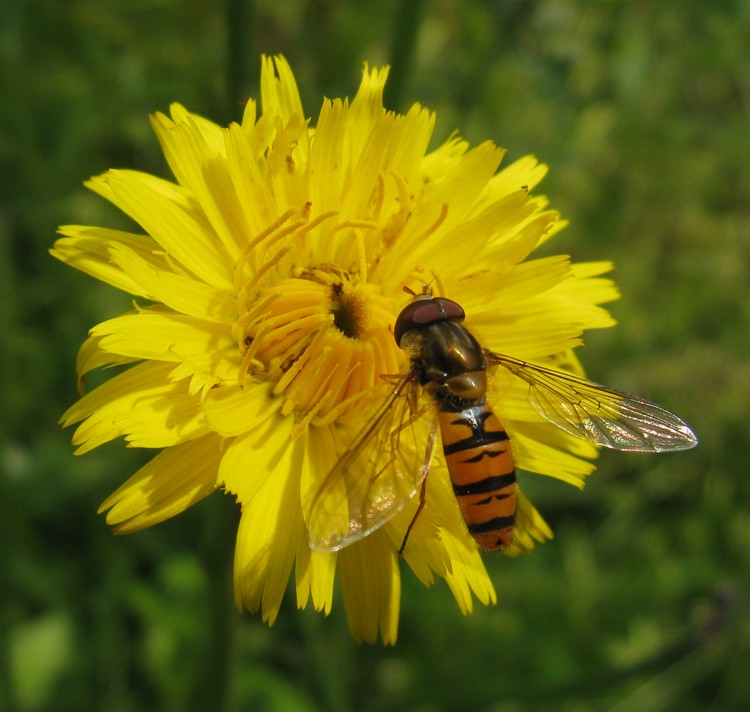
380 471
599 414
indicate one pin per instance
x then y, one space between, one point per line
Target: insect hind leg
420 507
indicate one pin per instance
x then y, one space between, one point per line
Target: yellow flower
269 277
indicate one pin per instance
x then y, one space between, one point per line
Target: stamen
362 255
300 427
248 289
245 322
347 403
303 384
403 191
245 367
296 367
289 338
377 203
252 349
394 225
347 252
319 339
174 266
439 282
247 249
312 224
346 224
370 391
288 230
421 239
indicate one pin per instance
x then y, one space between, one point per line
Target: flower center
349 311
322 339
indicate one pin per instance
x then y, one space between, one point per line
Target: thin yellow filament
421 239
243 257
249 288
362 256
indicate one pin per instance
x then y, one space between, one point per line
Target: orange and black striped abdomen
477 452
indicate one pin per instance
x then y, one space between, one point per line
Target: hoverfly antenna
426 290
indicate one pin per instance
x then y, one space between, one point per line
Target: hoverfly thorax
447 358
452 362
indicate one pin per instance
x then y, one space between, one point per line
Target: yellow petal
140 404
519 283
315 572
202 346
90 357
160 209
440 206
179 292
366 108
459 182
268 539
233 410
530 527
328 170
279 94
252 458
211 135
524 173
171 482
468 574
425 550
87 249
371 587
531 338
203 170
255 196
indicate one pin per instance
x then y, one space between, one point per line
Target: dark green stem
241 54
407 20
213 676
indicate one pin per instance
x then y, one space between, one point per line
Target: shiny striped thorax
386 464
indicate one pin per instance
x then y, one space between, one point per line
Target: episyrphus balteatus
387 463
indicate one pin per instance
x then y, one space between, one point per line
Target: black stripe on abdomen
478 438
488 484
491 525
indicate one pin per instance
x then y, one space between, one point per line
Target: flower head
268 277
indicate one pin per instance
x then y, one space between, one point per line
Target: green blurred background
641 601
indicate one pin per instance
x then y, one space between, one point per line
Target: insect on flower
387 465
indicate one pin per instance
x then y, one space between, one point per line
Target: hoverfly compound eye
451 309
423 311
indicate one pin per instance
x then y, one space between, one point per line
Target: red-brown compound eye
424 311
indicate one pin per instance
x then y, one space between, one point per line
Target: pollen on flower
322 339
349 310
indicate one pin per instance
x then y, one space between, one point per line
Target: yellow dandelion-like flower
270 276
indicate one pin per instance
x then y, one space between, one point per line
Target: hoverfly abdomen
477 453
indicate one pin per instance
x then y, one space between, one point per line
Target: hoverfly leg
420 507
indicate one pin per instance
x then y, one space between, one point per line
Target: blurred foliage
641 601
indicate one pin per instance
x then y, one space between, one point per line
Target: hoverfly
387 463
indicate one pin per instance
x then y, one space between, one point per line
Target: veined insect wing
601 415
377 475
